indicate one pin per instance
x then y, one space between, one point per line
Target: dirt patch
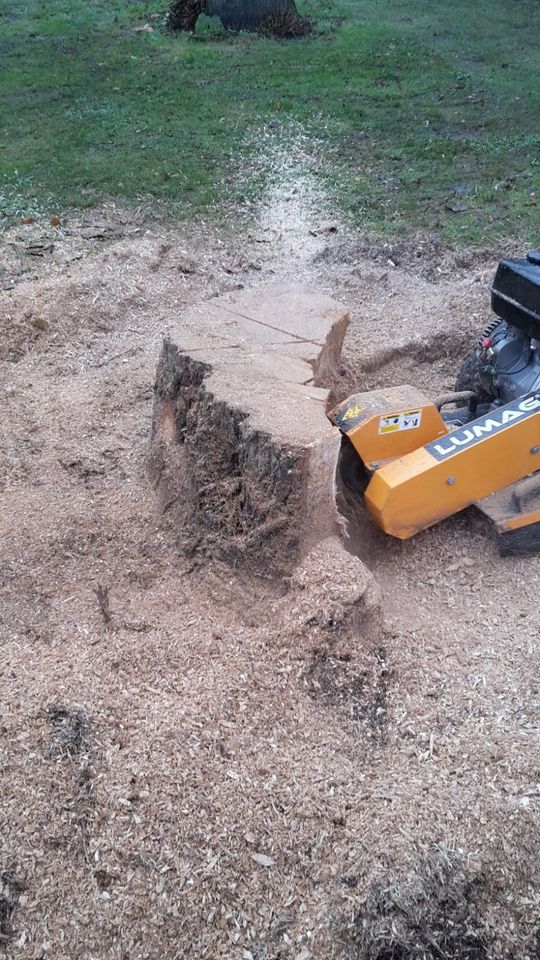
423 255
429 914
332 679
70 732
10 892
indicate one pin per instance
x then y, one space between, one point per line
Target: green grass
414 114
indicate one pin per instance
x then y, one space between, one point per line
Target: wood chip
262 859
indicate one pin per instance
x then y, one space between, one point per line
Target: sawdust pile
194 765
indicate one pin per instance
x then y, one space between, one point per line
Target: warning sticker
409 420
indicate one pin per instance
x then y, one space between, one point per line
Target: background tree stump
276 17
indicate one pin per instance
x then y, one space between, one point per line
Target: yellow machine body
386 424
421 473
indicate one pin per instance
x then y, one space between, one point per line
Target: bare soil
195 764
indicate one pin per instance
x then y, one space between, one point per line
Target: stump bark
248 14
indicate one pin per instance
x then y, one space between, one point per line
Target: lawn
412 115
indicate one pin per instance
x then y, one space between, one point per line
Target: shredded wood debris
194 765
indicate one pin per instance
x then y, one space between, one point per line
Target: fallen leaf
262 859
55 221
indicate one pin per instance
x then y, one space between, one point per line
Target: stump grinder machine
416 461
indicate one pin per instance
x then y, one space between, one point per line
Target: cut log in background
277 17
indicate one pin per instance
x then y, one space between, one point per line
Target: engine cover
515 293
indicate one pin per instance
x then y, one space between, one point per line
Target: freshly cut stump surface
242 453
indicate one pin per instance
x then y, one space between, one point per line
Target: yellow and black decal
406 420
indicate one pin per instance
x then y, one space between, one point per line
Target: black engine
506 362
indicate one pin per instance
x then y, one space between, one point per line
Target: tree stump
243 458
277 17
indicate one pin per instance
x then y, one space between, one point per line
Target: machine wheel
351 469
468 378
